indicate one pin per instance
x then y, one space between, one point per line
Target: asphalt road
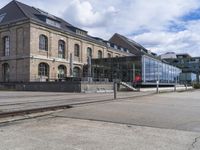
56 133
167 121
170 110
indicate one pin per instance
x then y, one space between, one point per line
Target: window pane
6 46
61 49
43 43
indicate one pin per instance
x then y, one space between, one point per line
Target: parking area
168 110
167 121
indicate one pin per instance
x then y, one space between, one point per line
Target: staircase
128 86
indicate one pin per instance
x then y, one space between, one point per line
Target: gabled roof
12 12
15 11
133 46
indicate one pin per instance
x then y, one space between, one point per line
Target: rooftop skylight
53 23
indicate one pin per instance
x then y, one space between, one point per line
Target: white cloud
187 41
146 21
83 14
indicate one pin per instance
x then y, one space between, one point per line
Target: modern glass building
143 70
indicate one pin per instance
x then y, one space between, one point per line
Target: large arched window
6 45
43 69
61 49
6 72
62 71
77 72
89 52
76 50
43 42
100 54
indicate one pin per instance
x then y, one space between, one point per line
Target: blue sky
160 26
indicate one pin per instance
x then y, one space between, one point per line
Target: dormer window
81 32
108 44
53 23
2 17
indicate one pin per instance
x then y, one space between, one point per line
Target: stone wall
43 86
25 55
18 60
67 86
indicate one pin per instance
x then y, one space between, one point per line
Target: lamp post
175 84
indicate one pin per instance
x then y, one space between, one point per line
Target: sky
159 25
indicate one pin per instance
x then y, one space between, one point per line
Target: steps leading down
128 86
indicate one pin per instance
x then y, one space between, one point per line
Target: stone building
36 46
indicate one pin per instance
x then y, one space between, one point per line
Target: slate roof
16 11
137 49
12 13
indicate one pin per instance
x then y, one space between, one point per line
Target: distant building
169 55
190 66
134 47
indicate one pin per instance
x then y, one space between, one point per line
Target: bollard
115 90
157 87
174 87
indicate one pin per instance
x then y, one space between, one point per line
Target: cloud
83 14
186 41
162 26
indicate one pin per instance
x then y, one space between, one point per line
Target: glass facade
135 69
155 70
122 68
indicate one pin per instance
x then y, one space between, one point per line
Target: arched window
76 50
6 45
43 42
77 72
61 49
89 52
43 69
109 55
6 72
62 71
100 54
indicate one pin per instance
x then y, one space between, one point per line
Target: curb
34 110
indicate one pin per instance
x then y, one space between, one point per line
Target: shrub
196 86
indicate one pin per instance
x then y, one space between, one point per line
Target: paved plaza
167 121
